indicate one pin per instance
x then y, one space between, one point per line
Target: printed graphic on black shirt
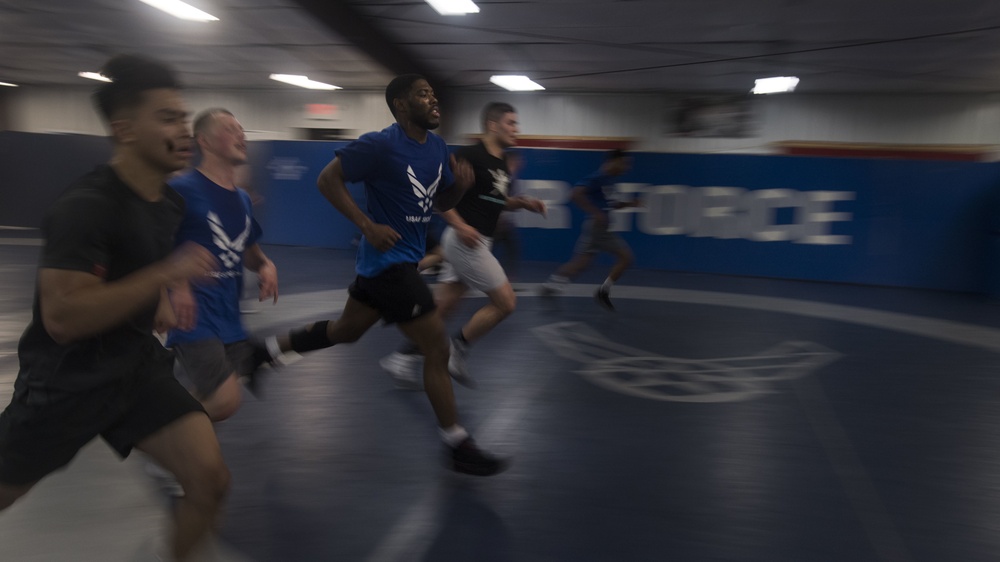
482 204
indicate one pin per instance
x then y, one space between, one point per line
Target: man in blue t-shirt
467 247
591 195
407 173
210 341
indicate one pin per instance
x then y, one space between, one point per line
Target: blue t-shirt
595 186
222 221
401 178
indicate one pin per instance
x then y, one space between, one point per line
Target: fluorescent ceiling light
8 84
776 85
303 82
515 83
181 10
94 76
454 7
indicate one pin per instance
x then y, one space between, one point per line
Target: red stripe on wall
574 143
956 153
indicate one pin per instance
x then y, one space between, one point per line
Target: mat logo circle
639 373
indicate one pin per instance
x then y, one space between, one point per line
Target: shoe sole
478 470
466 381
406 385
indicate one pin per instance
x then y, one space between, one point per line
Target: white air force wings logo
501 182
649 375
425 195
231 250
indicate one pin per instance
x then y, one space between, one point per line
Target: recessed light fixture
180 10
303 82
454 7
775 85
515 82
8 84
94 76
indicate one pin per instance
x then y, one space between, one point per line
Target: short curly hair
399 88
130 76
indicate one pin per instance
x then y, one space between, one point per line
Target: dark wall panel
36 167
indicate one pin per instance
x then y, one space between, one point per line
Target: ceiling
856 46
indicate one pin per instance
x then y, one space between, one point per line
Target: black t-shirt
482 203
100 226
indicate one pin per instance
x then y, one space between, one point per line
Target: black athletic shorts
399 293
38 437
206 364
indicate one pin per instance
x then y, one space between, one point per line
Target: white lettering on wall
664 210
707 212
286 168
555 194
819 213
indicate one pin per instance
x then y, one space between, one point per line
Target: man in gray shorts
212 346
591 195
467 243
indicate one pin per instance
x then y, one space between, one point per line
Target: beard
423 118
425 122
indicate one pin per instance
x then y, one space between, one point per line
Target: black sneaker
604 299
259 358
467 458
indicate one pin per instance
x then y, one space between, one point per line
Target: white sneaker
549 289
403 369
456 364
165 479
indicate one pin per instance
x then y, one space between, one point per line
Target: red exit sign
322 111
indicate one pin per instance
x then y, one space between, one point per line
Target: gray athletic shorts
206 364
594 240
477 267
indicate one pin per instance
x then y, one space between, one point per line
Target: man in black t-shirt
467 243
89 363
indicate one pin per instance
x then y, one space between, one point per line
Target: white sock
453 435
273 349
281 357
606 286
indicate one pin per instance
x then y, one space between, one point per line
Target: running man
591 195
89 363
467 247
210 341
506 239
407 171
